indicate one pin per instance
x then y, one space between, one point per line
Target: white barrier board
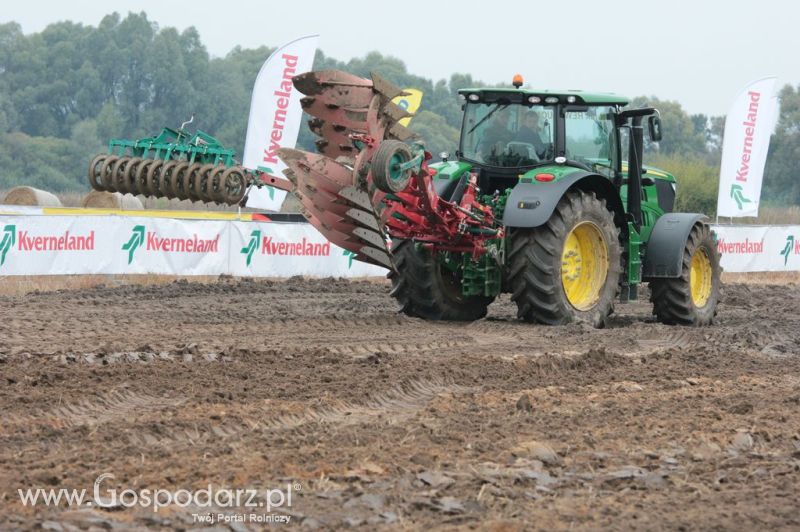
75 245
286 249
759 248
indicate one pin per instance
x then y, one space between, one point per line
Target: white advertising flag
748 128
275 115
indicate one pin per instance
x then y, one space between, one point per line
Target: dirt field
378 420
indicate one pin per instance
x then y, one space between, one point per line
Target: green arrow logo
269 188
135 241
350 255
736 194
9 239
255 242
787 249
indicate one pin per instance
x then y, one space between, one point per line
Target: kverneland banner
54 245
275 115
76 245
748 128
281 250
759 248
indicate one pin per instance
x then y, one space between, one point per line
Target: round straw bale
32 197
111 200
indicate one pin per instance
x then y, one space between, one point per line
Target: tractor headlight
534 99
571 99
474 97
551 99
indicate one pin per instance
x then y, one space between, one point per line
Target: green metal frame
172 144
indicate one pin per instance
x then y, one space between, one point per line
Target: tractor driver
496 136
530 131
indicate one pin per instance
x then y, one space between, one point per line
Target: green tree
682 134
437 134
781 183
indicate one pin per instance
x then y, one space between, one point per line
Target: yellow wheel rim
584 265
700 278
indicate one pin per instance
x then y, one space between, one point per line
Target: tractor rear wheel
426 289
567 269
692 298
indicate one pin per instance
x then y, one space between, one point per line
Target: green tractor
546 199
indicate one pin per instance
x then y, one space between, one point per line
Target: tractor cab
507 132
516 135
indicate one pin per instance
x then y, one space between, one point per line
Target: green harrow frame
176 164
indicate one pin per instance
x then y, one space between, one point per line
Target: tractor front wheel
692 298
426 289
567 269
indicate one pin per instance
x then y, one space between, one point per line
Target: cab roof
491 95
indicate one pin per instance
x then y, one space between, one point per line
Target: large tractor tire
567 269
427 290
692 298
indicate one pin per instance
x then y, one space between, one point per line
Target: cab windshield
507 135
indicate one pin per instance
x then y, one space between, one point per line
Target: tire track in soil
101 409
339 324
654 343
390 406
393 348
138 357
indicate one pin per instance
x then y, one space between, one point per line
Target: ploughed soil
375 420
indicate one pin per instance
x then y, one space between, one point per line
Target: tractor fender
664 254
532 204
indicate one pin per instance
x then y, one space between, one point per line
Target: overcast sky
698 52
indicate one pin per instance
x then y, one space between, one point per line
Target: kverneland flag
275 115
748 128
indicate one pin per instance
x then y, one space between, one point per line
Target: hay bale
32 197
291 204
111 200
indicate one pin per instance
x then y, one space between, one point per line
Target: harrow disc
118 172
95 167
167 175
129 177
141 178
201 179
190 182
179 174
153 178
234 185
214 185
107 173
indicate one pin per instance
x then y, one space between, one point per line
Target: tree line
67 90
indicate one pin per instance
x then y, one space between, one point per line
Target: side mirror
654 127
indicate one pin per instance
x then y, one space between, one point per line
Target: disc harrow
177 165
